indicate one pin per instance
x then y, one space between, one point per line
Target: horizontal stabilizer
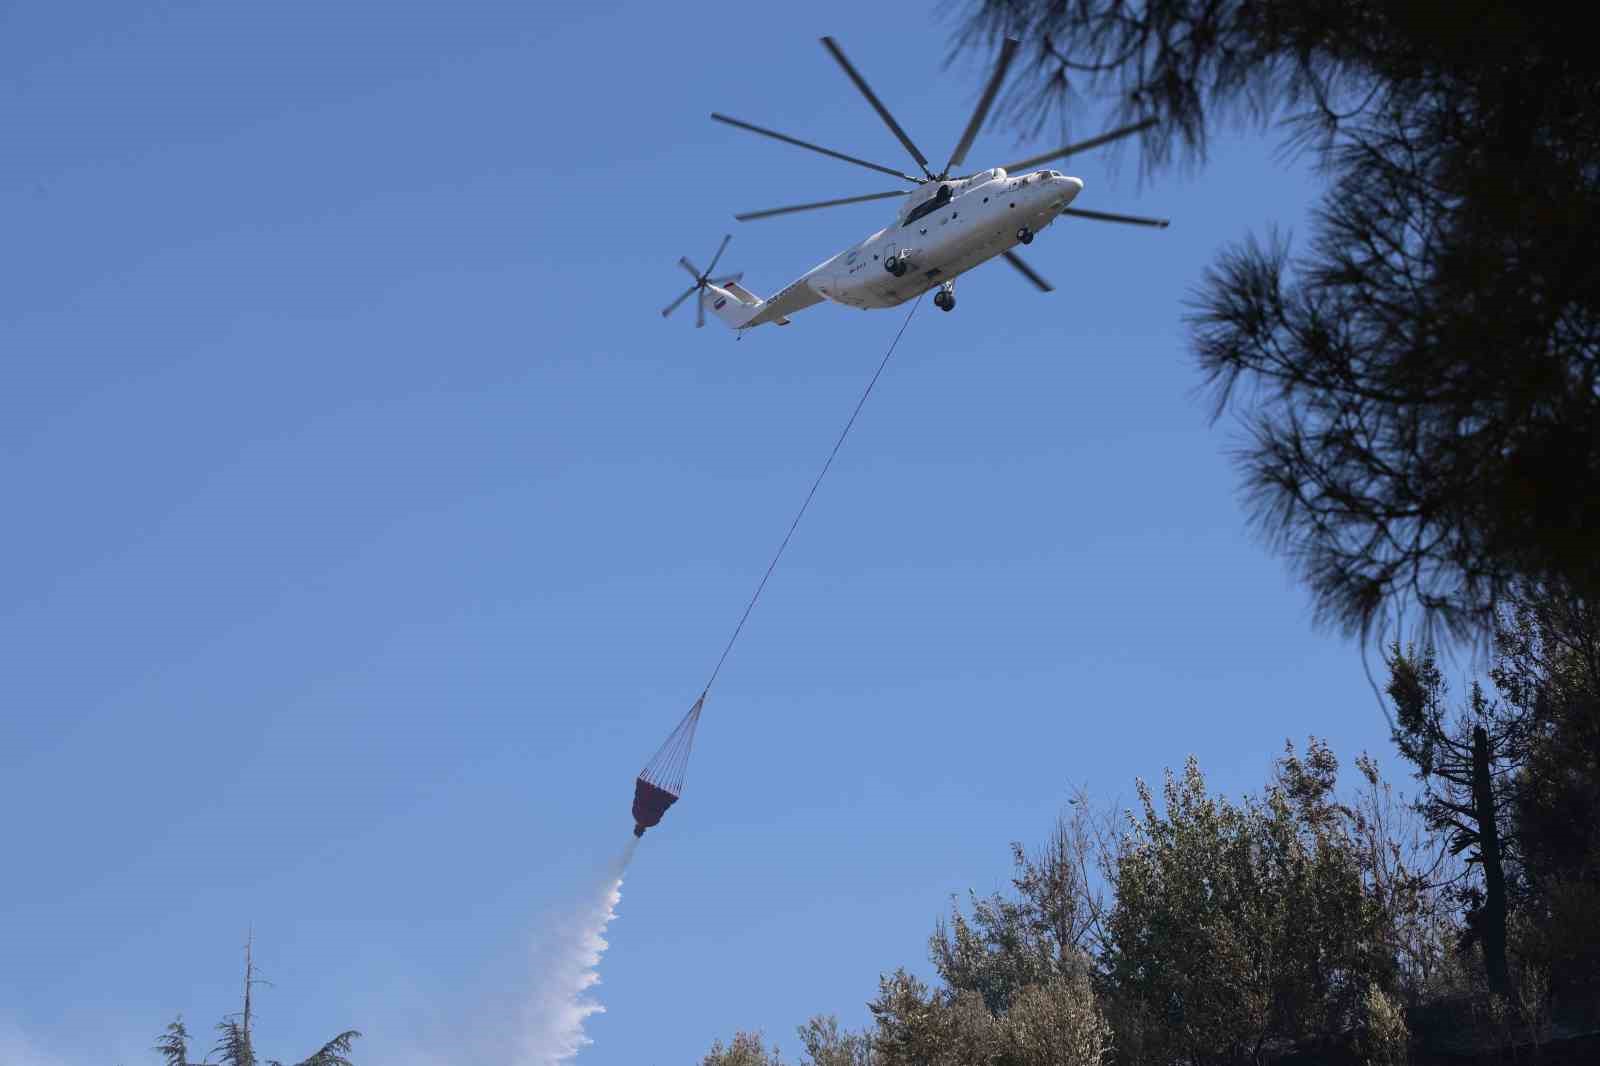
744 295
747 297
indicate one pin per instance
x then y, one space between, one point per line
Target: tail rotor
701 280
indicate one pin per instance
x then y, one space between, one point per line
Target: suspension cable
814 486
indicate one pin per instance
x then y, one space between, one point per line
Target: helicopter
946 226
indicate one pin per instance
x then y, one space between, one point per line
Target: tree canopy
1420 378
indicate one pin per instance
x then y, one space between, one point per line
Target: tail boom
736 305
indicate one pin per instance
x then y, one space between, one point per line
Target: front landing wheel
1025 235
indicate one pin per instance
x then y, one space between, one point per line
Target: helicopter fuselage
984 217
934 239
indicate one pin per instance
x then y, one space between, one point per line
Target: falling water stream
568 969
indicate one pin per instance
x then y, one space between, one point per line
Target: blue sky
367 528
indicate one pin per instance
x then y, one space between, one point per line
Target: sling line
814 486
660 783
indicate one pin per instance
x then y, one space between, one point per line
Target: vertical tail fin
731 302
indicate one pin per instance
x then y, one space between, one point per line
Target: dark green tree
235 1041
1464 761
174 1043
1421 380
1548 666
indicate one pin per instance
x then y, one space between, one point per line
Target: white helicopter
934 238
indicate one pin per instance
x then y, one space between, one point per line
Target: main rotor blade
700 311
1028 272
673 306
694 272
1133 220
784 137
1082 146
883 112
720 249
1007 51
750 215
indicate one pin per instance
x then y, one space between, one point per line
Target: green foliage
965 1033
335 1052
1383 1038
747 1049
1548 668
1438 742
1421 381
1565 941
1459 760
236 1039
1296 919
826 1044
995 954
1540 797
235 1047
174 1043
1018 991
1268 894
919 1026
1011 944
907 1018
1057 1022
234 1044
1237 931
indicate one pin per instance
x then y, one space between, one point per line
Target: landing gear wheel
1025 235
944 301
895 265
